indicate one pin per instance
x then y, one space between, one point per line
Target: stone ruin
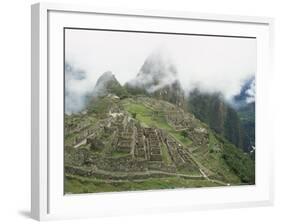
198 135
140 146
177 119
153 145
124 143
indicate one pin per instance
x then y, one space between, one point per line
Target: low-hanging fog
211 64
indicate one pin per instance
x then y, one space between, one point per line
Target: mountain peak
157 72
107 83
106 77
158 78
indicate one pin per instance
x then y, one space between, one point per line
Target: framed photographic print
138 111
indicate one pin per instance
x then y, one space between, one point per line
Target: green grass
100 107
118 154
147 117
165 155
240 163
212 140
216 164
184 140
75 184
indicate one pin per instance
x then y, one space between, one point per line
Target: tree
134 115
184 133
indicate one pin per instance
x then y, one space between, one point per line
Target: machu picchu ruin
141 143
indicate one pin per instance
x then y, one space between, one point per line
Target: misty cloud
211 64
251 92
163 70
77 87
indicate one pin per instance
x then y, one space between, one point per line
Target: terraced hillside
139 143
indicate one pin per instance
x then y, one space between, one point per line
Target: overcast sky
212 63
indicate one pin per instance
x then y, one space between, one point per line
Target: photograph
155 110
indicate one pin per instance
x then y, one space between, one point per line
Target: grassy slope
212 158
205 155
86 185
145 116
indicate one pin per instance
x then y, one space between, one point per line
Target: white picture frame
47 198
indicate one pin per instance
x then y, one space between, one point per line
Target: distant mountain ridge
220 116
244 102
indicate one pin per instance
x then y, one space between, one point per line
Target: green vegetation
184 134
211 156
118 90
75 184
247 117
224 120
118 154
149 118
108 84
134 90
240 163
165 155
232 122
100 107
212 140
215 156
220 164
237 161
218 168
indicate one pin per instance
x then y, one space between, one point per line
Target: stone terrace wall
122 164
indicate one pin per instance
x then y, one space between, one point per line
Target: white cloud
251 93
210 63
